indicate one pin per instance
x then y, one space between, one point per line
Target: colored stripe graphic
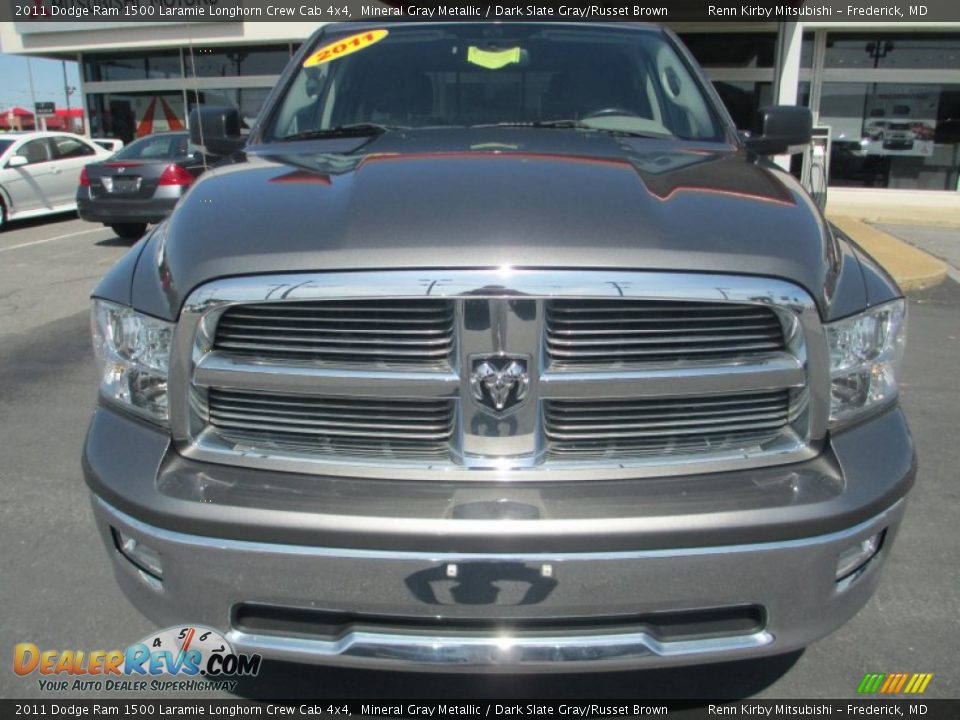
894 683
900 683
871 682
890 682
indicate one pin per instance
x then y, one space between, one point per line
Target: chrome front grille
413 332
333 425
668 426
609 333
383 374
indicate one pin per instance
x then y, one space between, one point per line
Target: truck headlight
866 352
133 357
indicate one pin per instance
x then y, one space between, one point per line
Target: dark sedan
140 184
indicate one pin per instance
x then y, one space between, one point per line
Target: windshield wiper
572 125
353 130
560 124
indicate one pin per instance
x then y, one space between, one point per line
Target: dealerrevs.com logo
178 658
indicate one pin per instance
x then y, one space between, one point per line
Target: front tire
129 231
3 216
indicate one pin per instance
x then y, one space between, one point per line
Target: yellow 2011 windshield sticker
344 47
493 59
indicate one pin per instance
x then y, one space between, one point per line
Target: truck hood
487 198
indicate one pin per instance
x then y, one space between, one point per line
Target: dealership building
888 92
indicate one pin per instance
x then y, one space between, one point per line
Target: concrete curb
897 207
933 220
913 269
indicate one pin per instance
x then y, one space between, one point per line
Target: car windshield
156 147
5 145
604 79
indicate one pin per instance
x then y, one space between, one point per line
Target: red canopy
59 112
62 118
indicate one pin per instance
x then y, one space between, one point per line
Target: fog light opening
854 559
143 557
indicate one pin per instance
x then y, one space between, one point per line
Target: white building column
786 82
81 91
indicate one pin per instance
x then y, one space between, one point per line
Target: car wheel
3 216
129 231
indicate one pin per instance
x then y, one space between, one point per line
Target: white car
898 136
39 172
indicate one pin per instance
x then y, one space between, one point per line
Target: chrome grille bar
414 332
761 372
219 369
344 362
565 420
584 332
346 422
744 442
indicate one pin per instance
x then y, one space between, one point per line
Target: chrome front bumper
206 579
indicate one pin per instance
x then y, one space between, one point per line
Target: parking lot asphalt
57 589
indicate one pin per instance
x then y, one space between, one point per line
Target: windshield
156 147
467 75
5 145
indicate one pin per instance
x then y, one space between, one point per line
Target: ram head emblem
499 383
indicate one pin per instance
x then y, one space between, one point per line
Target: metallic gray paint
880 286
862 472
427 199
117 284
850 293
793 581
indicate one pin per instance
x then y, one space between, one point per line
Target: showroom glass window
129 115
892 102
893 135
152 65
892 51
237 61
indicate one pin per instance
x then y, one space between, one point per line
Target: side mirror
17 161
780 129
216 130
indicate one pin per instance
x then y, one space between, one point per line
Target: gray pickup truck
495 347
